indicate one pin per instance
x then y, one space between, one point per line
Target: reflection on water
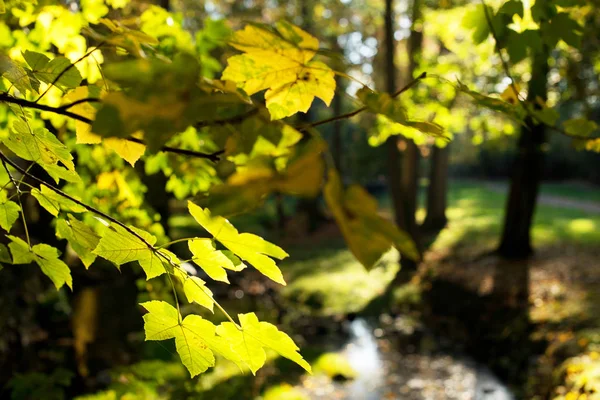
384 374
363 355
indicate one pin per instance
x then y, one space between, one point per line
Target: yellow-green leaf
280 61
82 238
128 150
45 256
120 246
9 212
251 248
195 338
213 261
37 145
54 202
367 234
250 341
85 109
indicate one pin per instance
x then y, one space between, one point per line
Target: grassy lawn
330 280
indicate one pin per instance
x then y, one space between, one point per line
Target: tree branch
63 110
7 160
359 110
506 68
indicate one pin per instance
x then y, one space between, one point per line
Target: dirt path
553 201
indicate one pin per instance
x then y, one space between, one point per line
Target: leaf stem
18 189
172 242
361 109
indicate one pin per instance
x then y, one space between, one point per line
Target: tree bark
437 190
336 135
527 172
403 171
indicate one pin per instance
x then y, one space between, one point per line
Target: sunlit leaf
254 336
195 338
58 71
120 246
248 247
47 257
54 202
280 61
37 145
212 261
367 234
15 74
9 212
82 238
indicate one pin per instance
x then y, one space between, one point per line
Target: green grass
328 280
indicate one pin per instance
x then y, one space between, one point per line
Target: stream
386 373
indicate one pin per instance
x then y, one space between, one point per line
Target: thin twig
67 69
505 63
18 189
80 101
63 110
359 110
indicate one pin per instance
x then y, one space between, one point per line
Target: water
384 374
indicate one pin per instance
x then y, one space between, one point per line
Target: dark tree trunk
336 135
403 171
393 154
527 172
437 190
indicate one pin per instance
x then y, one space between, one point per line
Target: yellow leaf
509 94
130 151
367 234
280 62
86 109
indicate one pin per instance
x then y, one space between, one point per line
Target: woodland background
503 206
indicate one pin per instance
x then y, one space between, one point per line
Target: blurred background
467 322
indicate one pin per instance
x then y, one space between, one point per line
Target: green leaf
15 74
580 126
250 341
382 103
368 235
512 7
392 108
159 99
4 254
2 7
82 238
514 111
475 19
280 61
58 71
195 338
9 212
45 256
20 251
120 246
212 261
54 202
58 172
37 145
251 248
195 289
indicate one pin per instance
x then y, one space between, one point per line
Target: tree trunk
393 154
404 183
527 172
437 190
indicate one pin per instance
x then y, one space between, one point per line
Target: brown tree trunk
404 182
437 190
336 135
527 172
